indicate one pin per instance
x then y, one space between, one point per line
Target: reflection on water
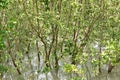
111 76
114 75
52 75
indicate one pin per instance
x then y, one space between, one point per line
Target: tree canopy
72 36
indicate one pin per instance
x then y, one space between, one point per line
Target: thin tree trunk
13 59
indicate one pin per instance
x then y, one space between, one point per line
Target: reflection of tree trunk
54 75
99 64
99 57
110 67
56 63
46 75
55 48
27 53
74 61
47 61
29 59
88 72
38 54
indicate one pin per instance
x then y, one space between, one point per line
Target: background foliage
74 37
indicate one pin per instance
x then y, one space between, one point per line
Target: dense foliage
76 37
